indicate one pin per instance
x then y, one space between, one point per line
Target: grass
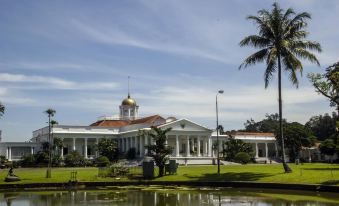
303 174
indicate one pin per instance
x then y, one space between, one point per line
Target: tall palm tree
2 109
281 42
50 112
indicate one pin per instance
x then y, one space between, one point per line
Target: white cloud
46 82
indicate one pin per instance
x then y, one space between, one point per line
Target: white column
9 154
32 150
74 144
276 149
204 142
198 146
166 141
146 143
256 150
136 144
140 147
177 151
266 149
209 150
62 153
85 149
188 146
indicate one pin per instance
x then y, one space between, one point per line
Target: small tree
108 148
234 146
160 151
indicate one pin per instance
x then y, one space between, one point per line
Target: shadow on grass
330 182
321 169
230 176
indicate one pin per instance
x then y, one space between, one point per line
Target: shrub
57 161
102 161
3 159
74 159
131 154
242 157
28 161
41 158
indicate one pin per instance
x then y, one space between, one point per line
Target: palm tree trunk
281 136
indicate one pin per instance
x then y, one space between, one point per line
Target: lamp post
216 110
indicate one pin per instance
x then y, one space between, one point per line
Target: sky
76 56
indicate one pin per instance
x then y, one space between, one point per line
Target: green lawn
306 174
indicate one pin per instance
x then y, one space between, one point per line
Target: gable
185 125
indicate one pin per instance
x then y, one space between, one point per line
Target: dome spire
128 96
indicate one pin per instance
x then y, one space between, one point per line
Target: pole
216 109
48 175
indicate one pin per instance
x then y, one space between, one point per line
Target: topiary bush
74 159
102 161
242 157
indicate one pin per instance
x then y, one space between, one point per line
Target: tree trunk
286 167
161 170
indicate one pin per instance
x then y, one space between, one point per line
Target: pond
167 196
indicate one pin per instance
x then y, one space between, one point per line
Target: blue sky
75 56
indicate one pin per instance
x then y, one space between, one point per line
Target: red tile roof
120 123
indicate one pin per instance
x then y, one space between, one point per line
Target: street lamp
216 110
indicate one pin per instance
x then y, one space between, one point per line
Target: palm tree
50 112
281 42
2 109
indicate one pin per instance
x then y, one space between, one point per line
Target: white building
192 143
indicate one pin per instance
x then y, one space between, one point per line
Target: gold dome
129 102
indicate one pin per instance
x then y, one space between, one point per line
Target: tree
109 149
74 159
281 41
50 112
58 144
328 147
269 124
297 136
322 126
2 109
160 151
234 146
328 84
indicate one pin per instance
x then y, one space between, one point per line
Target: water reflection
161 197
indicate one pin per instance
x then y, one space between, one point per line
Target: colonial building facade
192 143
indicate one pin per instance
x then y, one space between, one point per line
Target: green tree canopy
297 136
323 126
159 151
328 147
234 146
108 148
327 84
269 124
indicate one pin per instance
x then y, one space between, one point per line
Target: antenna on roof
128 87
